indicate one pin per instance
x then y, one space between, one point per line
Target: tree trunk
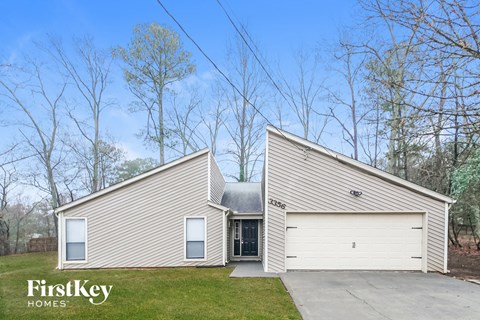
17 236
392 155
353 109
4 238
161 128
242 173
55 201
242 177
96 149
454 164
476 238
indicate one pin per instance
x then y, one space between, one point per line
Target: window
195 238
75 239
237 230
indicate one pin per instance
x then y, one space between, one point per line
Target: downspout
225 235
225 212
59 216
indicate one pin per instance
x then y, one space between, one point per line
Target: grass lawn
182 293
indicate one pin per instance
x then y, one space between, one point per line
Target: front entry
246 238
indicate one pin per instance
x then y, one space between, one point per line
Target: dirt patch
464 263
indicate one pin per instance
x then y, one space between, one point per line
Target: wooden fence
42 244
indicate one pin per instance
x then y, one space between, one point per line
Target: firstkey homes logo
96 294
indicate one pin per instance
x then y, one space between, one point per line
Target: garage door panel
354 241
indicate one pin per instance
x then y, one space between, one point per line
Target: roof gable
131 180
365 168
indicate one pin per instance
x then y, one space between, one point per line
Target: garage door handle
291 256
354 244
416 257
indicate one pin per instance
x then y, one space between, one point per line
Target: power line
222 73
253 52
258 60
250 38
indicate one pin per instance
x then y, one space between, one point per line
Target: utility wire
253 52
258 60
252 42
223 74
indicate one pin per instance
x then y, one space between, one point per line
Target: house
315 209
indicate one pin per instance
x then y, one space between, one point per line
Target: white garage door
354 241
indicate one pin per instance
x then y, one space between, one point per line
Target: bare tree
440 39
39 133
185 122
131 168
439 90
19 212
449 27
279 112
214 120
349 64
303 95
8 180
371 142
89 70
109 156
246 125
396 70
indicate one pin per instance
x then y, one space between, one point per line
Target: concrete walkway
382 295
250 269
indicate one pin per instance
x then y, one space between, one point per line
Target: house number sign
277 203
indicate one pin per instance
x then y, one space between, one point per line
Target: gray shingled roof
243 197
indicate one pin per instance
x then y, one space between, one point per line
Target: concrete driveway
382 295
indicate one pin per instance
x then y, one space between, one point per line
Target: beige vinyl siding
320 183
217 182
142 224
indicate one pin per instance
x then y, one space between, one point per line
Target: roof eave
218 206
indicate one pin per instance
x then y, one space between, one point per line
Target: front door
249 237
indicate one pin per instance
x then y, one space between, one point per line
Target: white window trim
64 240
185 238
239 238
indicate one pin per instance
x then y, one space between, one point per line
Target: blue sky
278 27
